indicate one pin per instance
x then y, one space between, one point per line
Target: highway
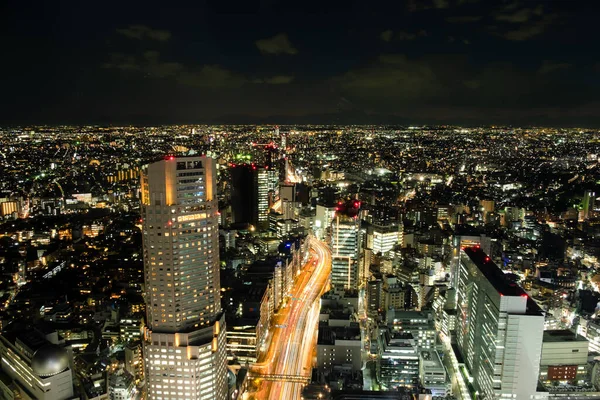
294 337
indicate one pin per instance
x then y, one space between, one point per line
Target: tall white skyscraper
344 251
184 347
499 329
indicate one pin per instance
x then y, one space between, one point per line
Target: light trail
292 345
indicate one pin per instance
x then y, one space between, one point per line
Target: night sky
414 62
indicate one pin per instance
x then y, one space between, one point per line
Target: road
294 328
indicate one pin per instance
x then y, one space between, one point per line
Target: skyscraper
267 185
253 193
499 329
345 234
184 347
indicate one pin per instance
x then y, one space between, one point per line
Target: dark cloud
213 68
390 35
420 5
395 83
520 16
392 75
150 66
529 30
278 44
387 35
462 19
551 66
441 3
143 32
275 80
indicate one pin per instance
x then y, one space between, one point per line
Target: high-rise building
267 186
253 192
345 233
499 329
184 348
244 200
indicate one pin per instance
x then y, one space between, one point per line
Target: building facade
344 245
184 347
499 329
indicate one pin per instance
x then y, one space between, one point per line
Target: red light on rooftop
487 259
524 295
169 158
477 246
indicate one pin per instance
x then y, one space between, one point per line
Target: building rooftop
329 334
431 359
498 279
562 335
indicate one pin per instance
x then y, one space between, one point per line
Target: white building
38 366
184 349
323 218
121 386
433 374
499 329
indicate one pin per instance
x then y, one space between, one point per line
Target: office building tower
267 188
499 329
184 347
345 230
253 192
244 200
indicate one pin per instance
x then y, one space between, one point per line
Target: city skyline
309 261
414 62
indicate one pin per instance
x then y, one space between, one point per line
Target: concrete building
420 324
382 238
398 361
432 373
36 365
184 347
323 218
499 329
121 386
375 297
339 346
564 357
